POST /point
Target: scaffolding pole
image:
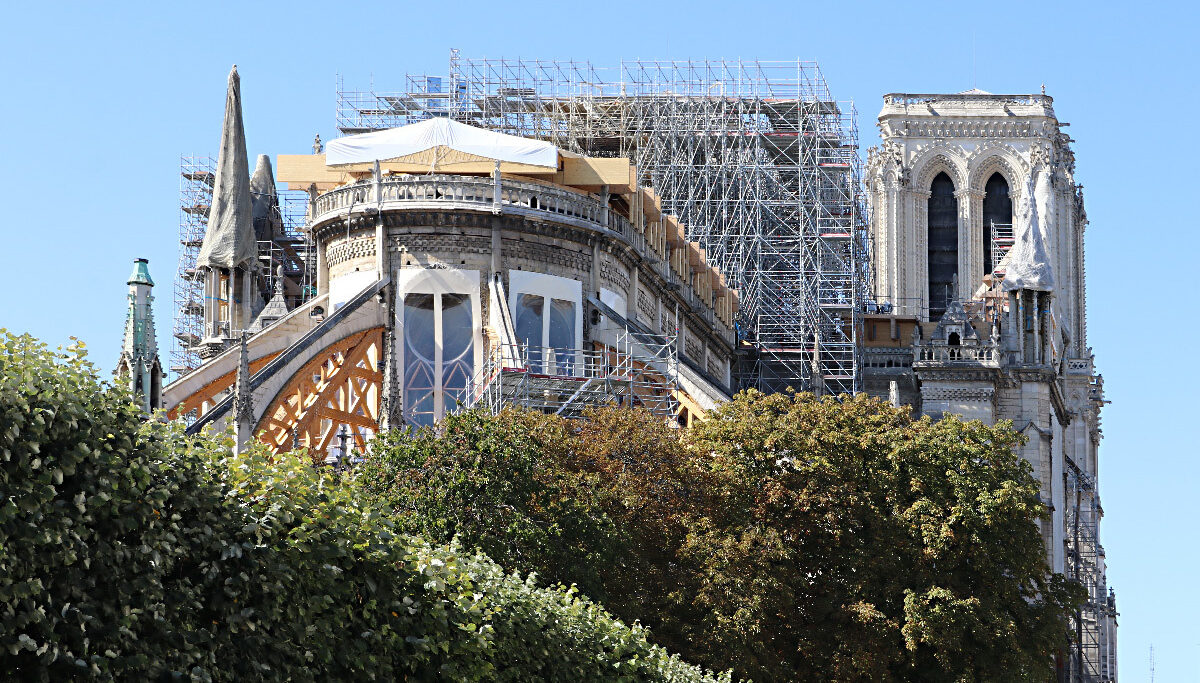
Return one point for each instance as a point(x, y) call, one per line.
point(639, 372)
point(756, 158)
point(289, 248)
point(1092, 656)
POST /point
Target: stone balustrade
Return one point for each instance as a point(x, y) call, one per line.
point(516, 197)
point(895, 358)
point(909, 99)
point(953, 355)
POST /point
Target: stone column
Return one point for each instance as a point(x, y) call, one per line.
point(917, 248)
point(246, 309)
point(631, 299)
point(973, 261)
point(966, 239)
point(211, 292)
point(322, 268)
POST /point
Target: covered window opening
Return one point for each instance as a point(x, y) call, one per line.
point(548, 321)
point(439, 355)
point(997, 221)
point(943, 243)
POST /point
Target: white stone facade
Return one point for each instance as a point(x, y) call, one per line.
point(991, 355)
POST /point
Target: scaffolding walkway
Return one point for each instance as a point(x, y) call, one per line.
point(567, 382)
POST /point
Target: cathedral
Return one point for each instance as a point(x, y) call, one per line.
point(446, 266)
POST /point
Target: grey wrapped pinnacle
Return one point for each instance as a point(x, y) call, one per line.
point(229, 239)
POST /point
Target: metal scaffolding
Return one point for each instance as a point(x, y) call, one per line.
point(196, 178)
point(1093, 656)
point(289, 248)
point(756, 158)
point(641, 372)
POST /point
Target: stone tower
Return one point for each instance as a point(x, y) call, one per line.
point(139, 367)
point(977, 230)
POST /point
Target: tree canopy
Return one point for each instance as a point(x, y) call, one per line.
point(785, 537)
point(129, 551)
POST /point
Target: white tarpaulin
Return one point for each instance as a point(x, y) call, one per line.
point(434, 141)
point(1029, 259)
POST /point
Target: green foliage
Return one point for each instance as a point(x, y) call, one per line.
point(850, 542)
point(133, 552)
point(482, 478)
point(595, 503)
point(787, 538)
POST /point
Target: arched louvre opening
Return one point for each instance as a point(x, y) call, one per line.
point(943, 243)
point(997, 221)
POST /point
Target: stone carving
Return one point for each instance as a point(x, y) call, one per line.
point(957, 394)
point(356, 247)
point(692, 348)
point(1039, 156)
point(613, 275)
point(645, 306)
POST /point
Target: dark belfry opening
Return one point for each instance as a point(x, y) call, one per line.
point(943, 243)
point(997, 221)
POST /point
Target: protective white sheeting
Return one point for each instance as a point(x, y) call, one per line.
point(1029, 259)
point(415, 143)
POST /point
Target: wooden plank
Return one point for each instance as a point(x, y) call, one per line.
point(592, 173)
point(301, 170)
point(675, 236)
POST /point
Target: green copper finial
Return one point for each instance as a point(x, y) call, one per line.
point(141, 273)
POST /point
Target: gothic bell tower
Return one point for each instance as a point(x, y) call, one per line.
point(979, 307)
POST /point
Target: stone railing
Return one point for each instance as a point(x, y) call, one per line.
point(897, 358)
point(478, 194)
point(515, 197)
point(953, 355)
point(908, 99)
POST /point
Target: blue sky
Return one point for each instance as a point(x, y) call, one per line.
point(100, 100)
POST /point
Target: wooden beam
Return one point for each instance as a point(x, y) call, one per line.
point(593, 173)
point(301, 170)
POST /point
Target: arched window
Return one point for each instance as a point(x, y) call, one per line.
point(997, 221)
point(440, 341)
point(943, 243)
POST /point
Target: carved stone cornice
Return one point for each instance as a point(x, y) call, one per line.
point(956, 374)
point(958, 393)
point(946, 128)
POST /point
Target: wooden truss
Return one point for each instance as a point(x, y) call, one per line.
point(340, 387)
point(208, 396)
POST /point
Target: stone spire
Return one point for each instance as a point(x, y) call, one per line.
point(229, 240)
point(276, 308)
point(139, 366)
point(243, 402)
point(264, 201)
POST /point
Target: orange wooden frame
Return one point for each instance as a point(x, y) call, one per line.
point(340, 387)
